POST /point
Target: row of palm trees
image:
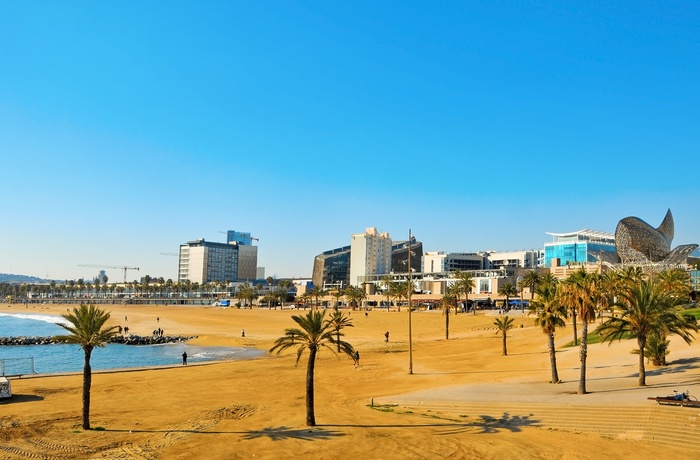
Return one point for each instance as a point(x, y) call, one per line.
point(629, 303)
point(87, 328)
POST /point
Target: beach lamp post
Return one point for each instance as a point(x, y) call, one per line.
point(520, 286)
point(410, 291)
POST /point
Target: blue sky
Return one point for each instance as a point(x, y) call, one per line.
point(128, 128)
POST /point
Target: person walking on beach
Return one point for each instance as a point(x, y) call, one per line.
point(356, 358)
point(184, 358)
point(386, 337)
point(242, 332)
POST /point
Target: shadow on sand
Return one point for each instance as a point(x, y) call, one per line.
point(18, 398)
point(485, 424)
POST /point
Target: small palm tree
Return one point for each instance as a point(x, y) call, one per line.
point(338, 321)
point(449, 301)
point(531, 280)
point(312, 334)
point(464, 284)
point(87, 329)
point(355, 295)
point(508, 291)
point(504, 325)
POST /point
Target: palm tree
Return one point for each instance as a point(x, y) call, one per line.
point(646, 308)
point(531, 280)
point(508, 291)
point(355, 295)
point(549, 315)
point(582, 290)
point(449, 301)
point(317, 292)
point(464, 284)
point(387, 290)
point(87, 329)
point(312, 334)
point(399, 290)
point(503, 325)
point(338, 321)
point(337, 294)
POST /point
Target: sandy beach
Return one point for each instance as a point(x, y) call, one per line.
point(256, 409)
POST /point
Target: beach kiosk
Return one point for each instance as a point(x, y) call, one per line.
point(5, 388)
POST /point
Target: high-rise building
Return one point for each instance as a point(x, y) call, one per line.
point(332, 268)
point(399, 256)
point(205, 261)
point(370, 254)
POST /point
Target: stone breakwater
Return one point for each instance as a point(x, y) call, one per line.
point(128, 340)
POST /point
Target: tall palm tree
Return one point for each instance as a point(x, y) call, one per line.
point(88, 329)
point(313, 333)
point(645, 308)
point(549, 315)
point(504, 325)
point(582, 290)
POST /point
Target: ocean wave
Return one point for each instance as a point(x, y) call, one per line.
point(53, 319)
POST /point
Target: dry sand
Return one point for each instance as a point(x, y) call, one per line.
point(256, 408)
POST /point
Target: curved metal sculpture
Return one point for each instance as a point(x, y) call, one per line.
point(638, 242)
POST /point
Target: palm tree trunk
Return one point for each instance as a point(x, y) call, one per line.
point(310, 416)
point(573, 323)
point(583, 353)
point(447, 323)
point(641, 343)
point(553, 359)
point(87, 383)
point(505, 349)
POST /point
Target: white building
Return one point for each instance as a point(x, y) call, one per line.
point(440, 262)
point(514, 259)
point(205, 261)
point(370, 254)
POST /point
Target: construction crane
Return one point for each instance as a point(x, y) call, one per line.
point(111, 266)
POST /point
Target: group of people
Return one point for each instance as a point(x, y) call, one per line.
point(158, 332)
point(124, 330)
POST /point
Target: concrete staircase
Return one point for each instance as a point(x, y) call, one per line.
point(666, 425)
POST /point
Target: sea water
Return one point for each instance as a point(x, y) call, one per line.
point(59, 358)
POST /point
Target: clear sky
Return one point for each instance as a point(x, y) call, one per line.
point(130, 127)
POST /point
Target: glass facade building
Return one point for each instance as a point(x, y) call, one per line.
point(584, 246)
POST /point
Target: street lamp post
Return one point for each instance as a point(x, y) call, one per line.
point(410, 291)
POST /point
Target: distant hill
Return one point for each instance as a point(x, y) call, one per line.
point(19, 279)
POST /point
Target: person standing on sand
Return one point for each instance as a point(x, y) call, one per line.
point(356, 358)
point(184, 358)
point(386, 337)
